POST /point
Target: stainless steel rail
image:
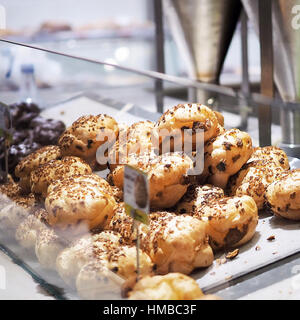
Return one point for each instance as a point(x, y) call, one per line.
point(254, 99)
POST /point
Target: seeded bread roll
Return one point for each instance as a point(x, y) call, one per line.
point(220, 118)
point(117, 193)
point(177, 243)
point(10, 189)
point(167, 176)
point(253, 180)
point(271, 154)
point(54, 170)
point(28, 230)
point(86, 135)
point(80, 203)
point(32, 162)
point(186, 116)
point(231, 221)
point(121, 261)
point(73, 258)
point(122, 224)
point(107, 249)
point(198, 196)
point(137, 139)
point(173, 286)
point(225, 155)
point(174, 243)
point(15, 211)
point(48, 246)
point(92, 179)
point(283, 195)
point(97, 282)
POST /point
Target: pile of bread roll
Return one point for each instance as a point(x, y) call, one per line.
point(75, 221)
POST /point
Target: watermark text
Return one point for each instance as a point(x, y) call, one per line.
point(296, 17)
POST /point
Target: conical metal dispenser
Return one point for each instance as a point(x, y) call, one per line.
point(203, 30)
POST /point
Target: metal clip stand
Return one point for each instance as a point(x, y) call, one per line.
point(160, 54)
point(267, 70)
point(137, 228)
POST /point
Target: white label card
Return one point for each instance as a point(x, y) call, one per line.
point(136, 194)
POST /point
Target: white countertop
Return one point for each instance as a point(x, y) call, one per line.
point(17, 284)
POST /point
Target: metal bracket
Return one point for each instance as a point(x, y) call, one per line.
point(245, 87)
point(267, 70)
point(160, 55)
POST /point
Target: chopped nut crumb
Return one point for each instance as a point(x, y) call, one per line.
point(231, 255)
point(271, 238)
point(221, 261)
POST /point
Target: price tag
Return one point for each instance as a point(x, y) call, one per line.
point(136, 198)
point(136, 194)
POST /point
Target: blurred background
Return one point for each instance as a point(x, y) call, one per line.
point(120, 32)
point(124, 33)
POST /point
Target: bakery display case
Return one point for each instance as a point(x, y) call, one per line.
point(219, 234)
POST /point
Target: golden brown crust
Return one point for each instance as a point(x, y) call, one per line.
point(33, 161)
point(82, 138)
point(271, 154)
point(137, 139)
point(80, 203)
point(173, 286)
point(107, 249)
point(92, 178)
point(253, 180)
point(231, 221)
point(177, 243)
point(28, 201)
point(174, 243)
point(122, 224)
point(283, 195)
point(220, 118)
point(188, 116)
point(167, 176)
point(117, 193)
point(198, 196)
point(54, 170)
point(225, 155)
point(10, 189)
